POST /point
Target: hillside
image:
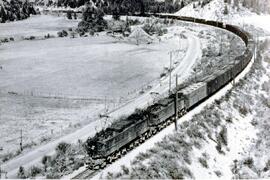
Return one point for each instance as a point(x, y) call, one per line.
point(224, 9)
point(228, 138)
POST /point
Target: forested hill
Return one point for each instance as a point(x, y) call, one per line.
point(123, 6)
point(15, 10)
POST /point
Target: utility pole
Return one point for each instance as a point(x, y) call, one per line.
point(170, 80)
point(220, 47)
point(21, 147)
point(3, 172)
point(176, 102)
point(180, 36)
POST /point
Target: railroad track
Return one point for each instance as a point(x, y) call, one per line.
point(86, 174)
point(246, 37)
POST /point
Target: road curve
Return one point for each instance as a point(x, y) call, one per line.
point(34, 156)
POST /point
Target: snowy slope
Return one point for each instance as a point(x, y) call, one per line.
point(212, 11)
point(241, 134)
point(152, 147)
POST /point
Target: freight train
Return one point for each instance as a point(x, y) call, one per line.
point(123, 135)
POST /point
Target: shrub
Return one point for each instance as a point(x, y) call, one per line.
point(7, 157)
point(45, 161)
point(21, 173)
point(91, 33)
point(34, 170)
point(62, 148)
point(64, 33)
point(219, 148)
point(249, 162)
point(125, 169)
point(267, 166)
point(69, 15)
point(47, 36)
point(32, 37)
point(60, 34)
point(203, 162)
point(5, 40)
point(226, 11)
point(218, 173)
point(223, 136)
point(243, 110)
point(229, 119)
point(186, 157)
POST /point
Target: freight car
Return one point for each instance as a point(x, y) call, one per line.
point(127, 133)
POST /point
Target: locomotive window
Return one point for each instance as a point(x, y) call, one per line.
point(155, 116)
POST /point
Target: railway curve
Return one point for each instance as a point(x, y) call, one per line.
point(212, 85)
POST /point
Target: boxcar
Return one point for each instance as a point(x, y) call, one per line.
point(194, 94)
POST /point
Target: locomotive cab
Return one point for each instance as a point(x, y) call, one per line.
point(92, 147)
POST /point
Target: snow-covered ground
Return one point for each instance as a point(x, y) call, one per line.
point(38, 25)
point(229, 138)
point(172, 154)
point(213, 11)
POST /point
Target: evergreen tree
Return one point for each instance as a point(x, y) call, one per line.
point(3, 15)
point(92, 19)
point(142, 7)
point(69, 15)
point(226, 11)
point(116, 12)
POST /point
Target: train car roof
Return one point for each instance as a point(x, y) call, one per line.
point(160, 105)
point(120, 125)
point(207, 78)
point(192, 88)
point(165, 102)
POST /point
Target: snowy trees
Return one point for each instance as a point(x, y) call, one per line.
point(21, 173)
point(255, 5)
point(226, 11)
point(92, 19)
point(69, 15)
point(15, 10)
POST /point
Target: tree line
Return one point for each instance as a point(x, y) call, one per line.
point(15, 10)
point(125, 6)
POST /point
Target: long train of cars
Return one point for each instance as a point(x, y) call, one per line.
point(123, 135)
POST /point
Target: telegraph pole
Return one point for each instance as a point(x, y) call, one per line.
point(176, 101)
point(3, 172)
point(170, 80)
point(21, 147)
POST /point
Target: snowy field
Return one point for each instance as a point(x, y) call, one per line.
point(85, 67)
point(38, 25)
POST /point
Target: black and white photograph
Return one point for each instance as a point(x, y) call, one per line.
point(135, 89)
